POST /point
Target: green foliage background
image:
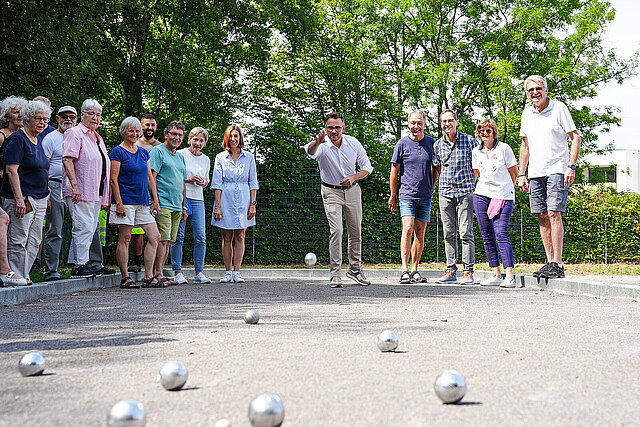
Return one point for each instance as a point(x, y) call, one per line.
point(279, 67)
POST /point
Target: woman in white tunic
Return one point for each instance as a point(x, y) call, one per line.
point(235, 183)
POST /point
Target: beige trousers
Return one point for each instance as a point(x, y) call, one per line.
point(335, 203)
point(24, 234)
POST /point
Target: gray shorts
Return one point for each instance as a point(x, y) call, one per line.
point(548, 193)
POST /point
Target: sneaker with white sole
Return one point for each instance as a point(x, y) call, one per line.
point(358, 277)
point(448, 277)
point(228, 277)
point(467, 278)
point(237, 277)
point(508, 282)
point(492, 281)
point(180, 278)
point(335, 282)
point(201, 278)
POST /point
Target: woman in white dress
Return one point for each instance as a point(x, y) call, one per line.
point(235, 183)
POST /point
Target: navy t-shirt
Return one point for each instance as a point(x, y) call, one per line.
point(132, 179)
point(416, 180)
point(33, 168)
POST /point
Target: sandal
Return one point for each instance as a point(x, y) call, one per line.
point(128, 283)
point(405, 278)
point(151, 282)
point(417, 278)
point(165, 281)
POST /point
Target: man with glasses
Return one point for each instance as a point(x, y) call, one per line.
point(56, 209)
point(452, 160)
point(169, 170)
point(412, 157)
point(337, 155)
point(545, 128)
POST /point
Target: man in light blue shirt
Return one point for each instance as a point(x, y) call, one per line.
point(52, 146)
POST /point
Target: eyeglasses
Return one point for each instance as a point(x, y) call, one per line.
point(68, 116)
point(334, 128)
point(535, 89)
point(41, 119)
point(92, 114)
point(176, 134)
point(489, 131)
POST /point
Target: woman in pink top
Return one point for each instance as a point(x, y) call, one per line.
point(86, 185)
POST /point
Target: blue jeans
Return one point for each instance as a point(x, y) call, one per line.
point(196, 219)
point(420, 209)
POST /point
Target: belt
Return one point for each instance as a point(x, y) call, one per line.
point(338, 187)
point(55, 179)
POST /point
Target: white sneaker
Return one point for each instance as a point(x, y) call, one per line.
point(492, 281)
point(201, 278)
point(180, 278)
point(508, 282)
point(237, 277)
point(228, 277)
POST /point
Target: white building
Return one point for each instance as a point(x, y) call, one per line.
point(618, 168)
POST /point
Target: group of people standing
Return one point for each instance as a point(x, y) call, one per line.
point(473, 174)
point(147, 187)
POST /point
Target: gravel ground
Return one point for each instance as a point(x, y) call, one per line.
point(529, 357)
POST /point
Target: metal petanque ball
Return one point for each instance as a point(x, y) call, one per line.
point(266, 410)
point(127, 413)
point(450, 386)
point(251, 317)
point(31, 364)
point(173, 375)
point(387, 341)
point(310, 259)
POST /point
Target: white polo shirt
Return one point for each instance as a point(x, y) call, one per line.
point(547, 133)
point(494, 181)
point(338, 163)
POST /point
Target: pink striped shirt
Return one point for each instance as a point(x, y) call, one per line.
point(79, 143)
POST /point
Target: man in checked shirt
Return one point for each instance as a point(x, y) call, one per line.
point(452, 160)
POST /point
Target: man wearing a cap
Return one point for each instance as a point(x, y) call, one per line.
point(52, 146)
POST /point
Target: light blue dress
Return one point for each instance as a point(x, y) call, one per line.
point(236, 180)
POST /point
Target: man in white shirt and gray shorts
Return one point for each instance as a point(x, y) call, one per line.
point(545, 128)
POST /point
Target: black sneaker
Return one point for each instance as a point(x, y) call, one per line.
point(104, 271)
point(542, 273)
point(555, 271)
point(81, 271)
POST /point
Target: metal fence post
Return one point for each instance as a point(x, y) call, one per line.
point(606, 238)
point(521, 238)
point(253, 234)
point(437, 237)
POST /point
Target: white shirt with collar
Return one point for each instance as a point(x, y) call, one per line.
point(338, 163)
point(547, 133)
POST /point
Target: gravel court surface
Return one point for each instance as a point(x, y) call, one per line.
point(530, 357)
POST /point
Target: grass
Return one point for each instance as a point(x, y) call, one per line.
point(570, 269)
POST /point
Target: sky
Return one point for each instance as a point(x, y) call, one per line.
point(624, 36)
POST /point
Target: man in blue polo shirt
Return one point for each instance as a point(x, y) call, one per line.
point(412, 157)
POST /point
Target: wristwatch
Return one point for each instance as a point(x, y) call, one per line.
point(572, 167)
point(254, 202)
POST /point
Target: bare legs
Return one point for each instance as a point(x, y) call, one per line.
point(232, 248)
point(552, 232)
point(411, 227)
point(122, 250)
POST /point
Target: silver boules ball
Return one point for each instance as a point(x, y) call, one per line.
point(450, 386)
point(173, 375)
point(223, 423)
point(266, 410)
point(310, 259)
point(127, 413)
point(387, 341)
point(251, 317)
point(31, 364)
